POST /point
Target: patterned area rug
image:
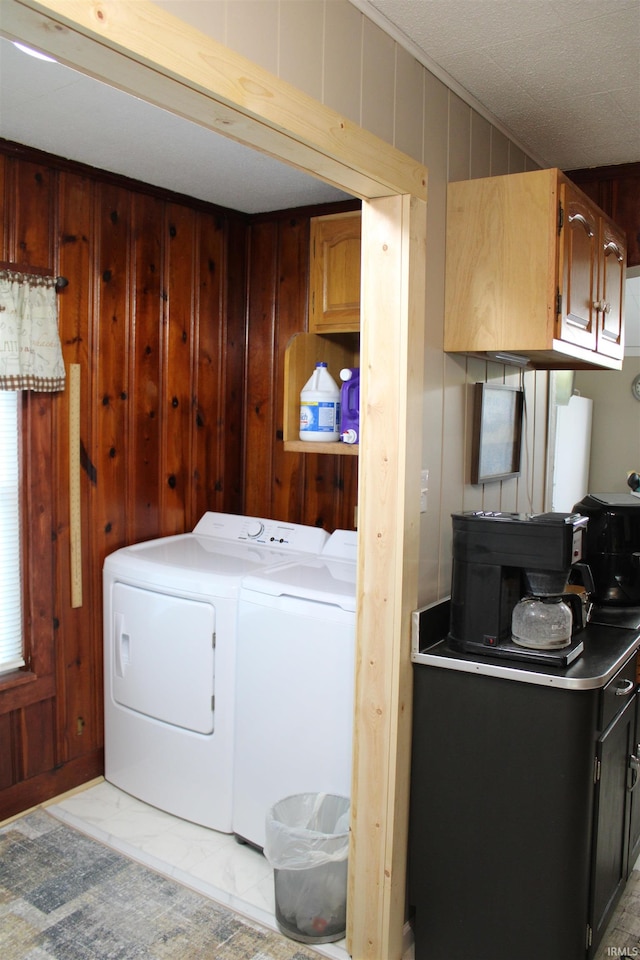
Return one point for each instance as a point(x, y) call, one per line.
point(64, 896)
point(622, 936)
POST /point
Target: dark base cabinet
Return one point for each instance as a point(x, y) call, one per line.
point(611, 854)
point(522, 826)
point(633, 785)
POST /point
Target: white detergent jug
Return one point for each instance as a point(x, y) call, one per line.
point(320, 406)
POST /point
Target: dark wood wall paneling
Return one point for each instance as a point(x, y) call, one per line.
point(616, 190)
point(178, 314)
point(315, 489)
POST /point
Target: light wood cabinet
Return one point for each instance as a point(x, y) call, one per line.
point(534, 273)
point(334, 273)
point(334, 321)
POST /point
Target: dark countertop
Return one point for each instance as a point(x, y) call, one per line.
point(626, 617)
point(606, 648)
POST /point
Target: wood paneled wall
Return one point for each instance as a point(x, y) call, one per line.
point(311, 488)
point(178, 314)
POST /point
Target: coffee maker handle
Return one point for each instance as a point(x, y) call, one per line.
point(586, 577)
point(574, 601)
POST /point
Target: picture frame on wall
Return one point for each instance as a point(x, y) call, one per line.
point(497, 432)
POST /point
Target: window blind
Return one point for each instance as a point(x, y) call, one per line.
point(10, 568)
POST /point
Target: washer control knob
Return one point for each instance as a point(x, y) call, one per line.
point(254, 529)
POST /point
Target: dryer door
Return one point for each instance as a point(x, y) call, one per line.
point(162, 662)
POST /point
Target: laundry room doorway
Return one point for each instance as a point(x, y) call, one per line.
point(139, 47)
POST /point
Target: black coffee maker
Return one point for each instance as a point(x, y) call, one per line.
point(501, 558)
point(613, 547)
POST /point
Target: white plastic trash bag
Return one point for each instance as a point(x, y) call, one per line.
point(307, 830)
point(307, 844)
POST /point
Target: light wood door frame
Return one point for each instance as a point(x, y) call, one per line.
point(141, 49)
point(391, 374)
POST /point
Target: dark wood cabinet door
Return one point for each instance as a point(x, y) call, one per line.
point(578, 317)
point(611, 822)
point(634, 796)
point(616, 189)
point(611, 283)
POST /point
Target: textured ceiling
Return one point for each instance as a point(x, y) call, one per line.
point(561, 76)
point(50, 107)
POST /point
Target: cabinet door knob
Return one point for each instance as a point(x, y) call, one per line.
point(583, 222)
point(624, 688)
point(613, 248)
point(603, 305)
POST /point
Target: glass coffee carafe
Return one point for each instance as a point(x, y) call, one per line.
point(546, 618)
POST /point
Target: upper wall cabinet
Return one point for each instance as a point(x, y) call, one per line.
point(592, 275)
point(334, 274)
point(534, 273)
point(616, 189)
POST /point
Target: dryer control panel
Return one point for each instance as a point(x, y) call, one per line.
point(271, 533)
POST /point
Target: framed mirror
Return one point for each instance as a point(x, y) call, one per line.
point(497, 432)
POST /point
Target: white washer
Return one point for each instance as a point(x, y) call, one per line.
point(294, 683)
point(170, 618)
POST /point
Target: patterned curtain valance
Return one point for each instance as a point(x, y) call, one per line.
point(30, 349)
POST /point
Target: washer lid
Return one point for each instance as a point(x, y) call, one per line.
point(320, 580)
point(342, 544)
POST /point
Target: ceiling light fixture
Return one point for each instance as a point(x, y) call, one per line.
point(33, 53)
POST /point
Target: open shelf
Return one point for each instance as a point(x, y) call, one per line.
point(319, 446)
point(303, 351)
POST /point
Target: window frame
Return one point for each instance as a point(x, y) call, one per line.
point(16, 660)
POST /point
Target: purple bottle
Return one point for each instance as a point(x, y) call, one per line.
point(350, 405)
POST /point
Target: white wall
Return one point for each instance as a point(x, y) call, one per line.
point(615, 438)
point(332, 51)
point(632, 315)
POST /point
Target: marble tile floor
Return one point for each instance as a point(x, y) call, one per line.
point(212, 863)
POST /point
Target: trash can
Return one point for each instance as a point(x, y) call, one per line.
point(307, 844)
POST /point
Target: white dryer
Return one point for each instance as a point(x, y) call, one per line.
point(294, 682)
point(170, 618)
